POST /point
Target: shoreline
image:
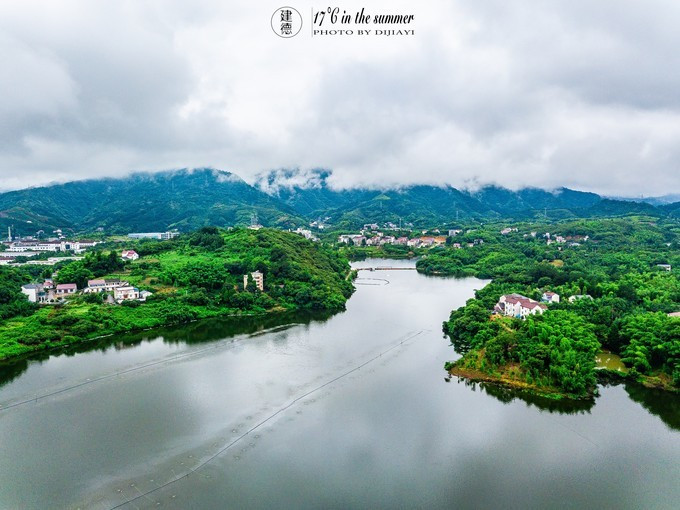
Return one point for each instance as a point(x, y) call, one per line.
point(46, 348)
point(604, 376)
point(541, 391)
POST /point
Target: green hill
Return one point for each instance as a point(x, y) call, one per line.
point(182, 199)
point(191, 277)
point(189, 199)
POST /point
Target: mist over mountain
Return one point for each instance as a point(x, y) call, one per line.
point(188, 199)
point(181, 199)
point(311, 194)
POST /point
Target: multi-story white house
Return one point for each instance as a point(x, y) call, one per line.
point(35, 292)
point(129, 255)
point(257, 277)
point(516, 305)
point(100, 285)
point(125, 293)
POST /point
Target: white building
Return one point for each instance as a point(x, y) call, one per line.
point(129, 255)
point(100, 285)
point(516, 305)
point(257, 277)
point(550, 297)
point(163, 236)
point(125, 293)
point(32, 290)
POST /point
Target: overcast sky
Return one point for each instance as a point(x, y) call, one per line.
point(579, 93)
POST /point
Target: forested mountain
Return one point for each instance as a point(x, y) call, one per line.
point(425, 205)
point(189, 199)
point(182, 199)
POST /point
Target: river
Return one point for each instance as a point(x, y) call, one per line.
point(304, 411)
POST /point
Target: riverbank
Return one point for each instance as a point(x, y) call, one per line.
point(189, 278)
point(26, 335)
point(511, 376)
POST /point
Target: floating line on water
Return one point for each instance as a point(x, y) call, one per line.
point(217, 345)
point(191, 471)
point(359, 281)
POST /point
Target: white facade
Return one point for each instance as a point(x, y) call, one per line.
point(31, 290)
point(125, 293)
point(550, 297)
point(257, 277)
point(516, 305)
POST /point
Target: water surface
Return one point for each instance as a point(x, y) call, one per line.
point(351, 411)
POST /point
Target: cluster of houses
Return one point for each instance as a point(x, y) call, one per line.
point(519, 306)
point(48, 292)
point(161, 236)
point(118, 290)
point(30, 247)
point(380, 240)
point(306, 233)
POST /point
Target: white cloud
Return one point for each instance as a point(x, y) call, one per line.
point(576, 94)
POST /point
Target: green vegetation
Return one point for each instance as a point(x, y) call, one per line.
point(191, 277)
point(190, 199)
point(616, 265)
point(181, 199)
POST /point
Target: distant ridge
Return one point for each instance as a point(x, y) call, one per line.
point(187, 199)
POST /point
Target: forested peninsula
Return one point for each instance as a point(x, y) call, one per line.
point(194, 276)
point(619, 289)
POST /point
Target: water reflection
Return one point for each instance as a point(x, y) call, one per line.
point(660, 403)
point(199, 332)
point(508, 395)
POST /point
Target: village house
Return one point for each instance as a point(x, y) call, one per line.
point(516, 305)
point(667, 267)
point(129, 255)
point(125, 293)
point(94, 286)
point(550, 297)
point(66, 288)
point(35, 292)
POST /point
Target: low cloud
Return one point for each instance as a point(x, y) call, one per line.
point(525, 93)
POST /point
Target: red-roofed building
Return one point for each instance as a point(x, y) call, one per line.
point(130, 255)
point(516, 305)
point(67, 288)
